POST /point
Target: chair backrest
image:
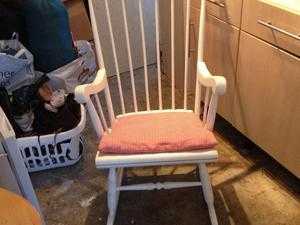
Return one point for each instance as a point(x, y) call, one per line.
point(204, 78)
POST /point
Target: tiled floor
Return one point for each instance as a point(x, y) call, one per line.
point(250, 187)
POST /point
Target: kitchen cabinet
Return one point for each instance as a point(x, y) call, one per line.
point(267, 108)
point(258, 15)
point(227, 10)
point(221, 48)
point(262, 69)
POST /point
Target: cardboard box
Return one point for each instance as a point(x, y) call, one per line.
point(79, 20)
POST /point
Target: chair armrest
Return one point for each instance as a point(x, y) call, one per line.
point(83, 92)
point(217, 83)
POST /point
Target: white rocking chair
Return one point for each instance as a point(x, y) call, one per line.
point(126, 144)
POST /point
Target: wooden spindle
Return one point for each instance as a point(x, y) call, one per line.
point(187, 42)
point(115, 56)
point(173, 52)
point(100, 58)
point(197, 98)
point(109, 105)
point(129, 56)
point(201, 33)
point(100, 110)
point(212, 112)
point(141, 15)
point(96, 36)
point(95, 118)
point(206, 102)
point(158, 54)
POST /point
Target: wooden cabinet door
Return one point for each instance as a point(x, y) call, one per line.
point(220, 55)
point(267, 101)
point(221, 49)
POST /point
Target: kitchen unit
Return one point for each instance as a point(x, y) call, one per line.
point(255, 44)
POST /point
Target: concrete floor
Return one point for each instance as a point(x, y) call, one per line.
point(249, 186)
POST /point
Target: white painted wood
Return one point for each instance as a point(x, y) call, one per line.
point(212, 112)
point(206, 102)
point(157, 27)
point(214, 85)
point(83, 92)
point(112, 196)
point(139, 160)
point(115, 55)
point(154, 111)
point(173, 52)
point(129, 55)
point(208, 193)
point(158, 186)
point(141, 15)
point(197, 98)
point(109, 105)
point(120, 173)
point(187, 49)
point(95, 118)
point(96, 36)
point(100, 111)
point(132, 10)
point(201, 33)
point(102, 83)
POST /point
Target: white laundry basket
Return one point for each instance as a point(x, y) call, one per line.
point(53, 150)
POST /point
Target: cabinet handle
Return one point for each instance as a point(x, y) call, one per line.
point(217, 3)
point(269, 25)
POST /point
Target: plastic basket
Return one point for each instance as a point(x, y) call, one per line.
point(53, 150)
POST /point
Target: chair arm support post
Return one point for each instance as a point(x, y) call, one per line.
point(83, 92)
point(217, 83)
point(218, 87)
point(95, 118)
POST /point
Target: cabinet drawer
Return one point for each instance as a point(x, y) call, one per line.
point(226, 10)
point(267, 101)
point(285, 23)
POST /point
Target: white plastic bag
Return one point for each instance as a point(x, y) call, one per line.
point(16, 65)
point(80, 71)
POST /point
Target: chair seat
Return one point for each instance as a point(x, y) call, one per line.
point(157, 133)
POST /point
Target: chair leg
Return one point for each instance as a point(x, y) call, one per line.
point(208, 193)
point(112, 196)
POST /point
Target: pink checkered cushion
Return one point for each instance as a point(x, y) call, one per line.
point(155, 133)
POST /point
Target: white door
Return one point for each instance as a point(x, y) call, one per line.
point(117, 21)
